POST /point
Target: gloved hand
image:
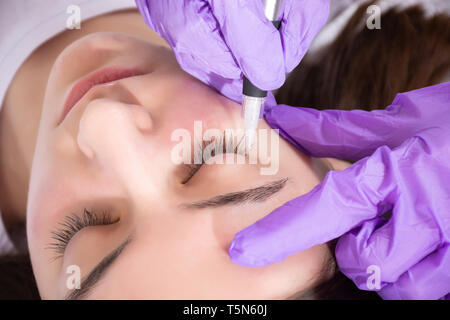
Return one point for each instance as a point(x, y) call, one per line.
point(404, 166)
point(218, 40)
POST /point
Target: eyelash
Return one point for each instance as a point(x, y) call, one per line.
point(72, 224)
point(227, 141)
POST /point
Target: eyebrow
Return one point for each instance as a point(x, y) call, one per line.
point(97, 273)
point(258, 194)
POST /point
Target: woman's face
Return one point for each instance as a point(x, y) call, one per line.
point(111, 155)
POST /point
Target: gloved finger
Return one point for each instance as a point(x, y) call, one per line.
point(254, 41)
point(302, 21)
point(393, 249)
point(191, 29)
point(194, 35)
point(413, 232)
point(343, 201)
point(427, 280)
point(355, 134)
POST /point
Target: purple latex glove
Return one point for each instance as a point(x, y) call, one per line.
point(218, 40)
point(404, 165)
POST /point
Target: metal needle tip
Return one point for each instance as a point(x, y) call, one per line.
point(251, 109)
point(249, 135)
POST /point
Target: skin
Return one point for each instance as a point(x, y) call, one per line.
point(112, 152)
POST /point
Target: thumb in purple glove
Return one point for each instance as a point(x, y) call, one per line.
point(217, 41)
point(406, 169)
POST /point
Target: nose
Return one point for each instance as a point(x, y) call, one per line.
point(108, 121)
point(117, 138)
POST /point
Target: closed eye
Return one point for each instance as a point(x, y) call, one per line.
point(72, 224)
point(228, 144)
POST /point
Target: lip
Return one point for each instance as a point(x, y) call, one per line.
point(102, 76)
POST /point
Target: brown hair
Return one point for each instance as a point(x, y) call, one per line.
point(365, 69)
point(17, 279)
point(362, 69)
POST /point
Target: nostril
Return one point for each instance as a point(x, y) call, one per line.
point(84, 146)
point(107, 125)
point(141, 118)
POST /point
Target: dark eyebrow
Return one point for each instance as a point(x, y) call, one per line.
point(96, 274)
point(257, 194)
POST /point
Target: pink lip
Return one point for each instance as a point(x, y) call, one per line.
point(81, 87)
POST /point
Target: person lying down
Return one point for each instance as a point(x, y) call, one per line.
point(102, 197)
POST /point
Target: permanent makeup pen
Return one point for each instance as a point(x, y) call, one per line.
point(253, 97)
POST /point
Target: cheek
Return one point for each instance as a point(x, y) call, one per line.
point(212, 265)
point(279, 280)
point(227, 221)
point(41, 212)
point(185, 100)
point(38, 237)
point(185, 260)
